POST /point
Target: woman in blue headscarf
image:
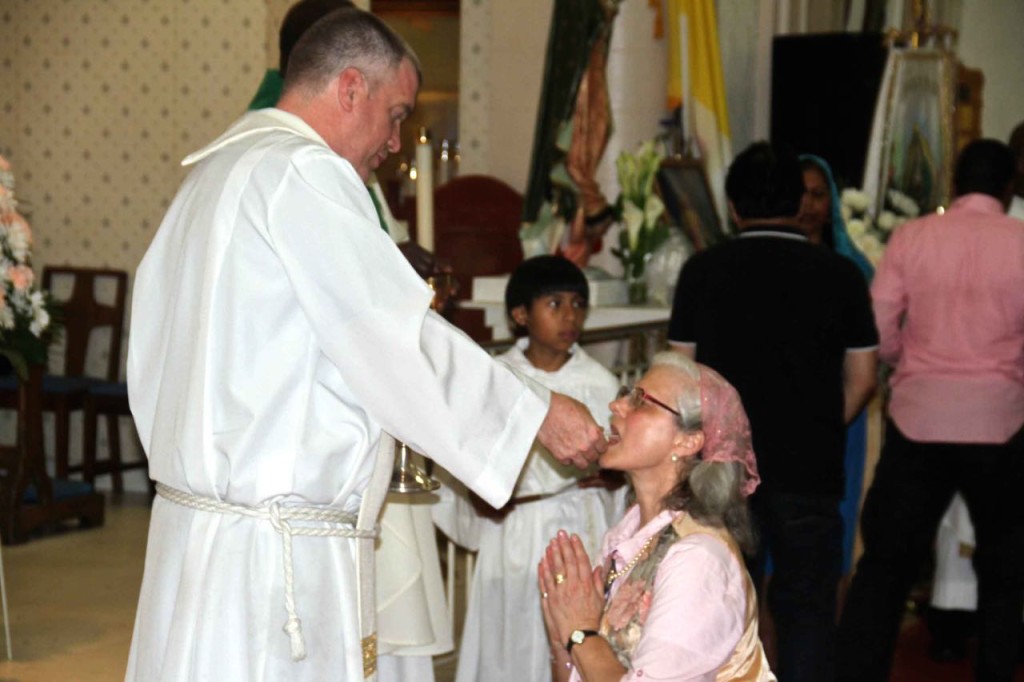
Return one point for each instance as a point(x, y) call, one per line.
point(821, 218)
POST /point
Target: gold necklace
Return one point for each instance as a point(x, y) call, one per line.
point(615, 575)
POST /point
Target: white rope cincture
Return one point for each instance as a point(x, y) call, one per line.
point(279, 513)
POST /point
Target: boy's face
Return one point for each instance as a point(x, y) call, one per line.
point(554, 321)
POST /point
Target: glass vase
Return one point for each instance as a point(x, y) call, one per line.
point(636, 282)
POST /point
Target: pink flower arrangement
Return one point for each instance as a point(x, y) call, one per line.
point(21, 277)
point(26, 312)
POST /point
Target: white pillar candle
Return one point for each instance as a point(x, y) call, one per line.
point(444, 166)
point(424, 191)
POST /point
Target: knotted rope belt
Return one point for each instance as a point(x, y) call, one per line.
point(281, 514)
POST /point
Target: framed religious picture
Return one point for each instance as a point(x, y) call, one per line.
point(913, 137)
point(683, 186)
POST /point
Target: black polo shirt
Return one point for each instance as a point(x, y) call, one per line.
point(775, 316)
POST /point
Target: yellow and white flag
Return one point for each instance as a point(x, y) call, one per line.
point(695, 81)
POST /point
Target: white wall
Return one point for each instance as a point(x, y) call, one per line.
point(991, 39)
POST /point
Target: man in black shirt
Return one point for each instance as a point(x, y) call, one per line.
point(789, 324)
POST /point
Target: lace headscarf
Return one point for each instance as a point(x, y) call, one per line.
point(725, 426)
point(715, 409)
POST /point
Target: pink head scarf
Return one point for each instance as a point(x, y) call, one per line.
point(725, 426)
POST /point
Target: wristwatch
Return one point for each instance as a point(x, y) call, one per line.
point(577, 637)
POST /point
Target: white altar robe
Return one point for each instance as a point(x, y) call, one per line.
point(276, 331)
point(503, 639)
point(413, 624)
point(955, 585)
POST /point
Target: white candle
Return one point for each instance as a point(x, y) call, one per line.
point(424, 191)
point(444, 165)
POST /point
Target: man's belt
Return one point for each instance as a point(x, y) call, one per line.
point(281, 515)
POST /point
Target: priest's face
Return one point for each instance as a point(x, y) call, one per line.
point(388, 100)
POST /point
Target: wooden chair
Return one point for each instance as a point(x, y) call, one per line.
point(84, 317)
point(106, 396)
point(109, 399)
point(29, 498)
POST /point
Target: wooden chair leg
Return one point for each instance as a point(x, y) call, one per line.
point(61, 420)
point(89, 435)
point(114, 447)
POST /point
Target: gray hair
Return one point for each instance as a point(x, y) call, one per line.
point(688, 400)
point(342, 39)
point(710, 492)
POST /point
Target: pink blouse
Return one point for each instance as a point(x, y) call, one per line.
point(697, 608)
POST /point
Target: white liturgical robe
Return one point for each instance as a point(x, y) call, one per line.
point(504, 639)
point(276, 331)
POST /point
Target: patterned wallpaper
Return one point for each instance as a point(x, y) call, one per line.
point(100, 100)
point(474, 93)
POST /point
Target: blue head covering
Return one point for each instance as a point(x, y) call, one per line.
point(841, 241)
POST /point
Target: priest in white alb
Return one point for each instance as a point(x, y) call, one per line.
point(278, 341)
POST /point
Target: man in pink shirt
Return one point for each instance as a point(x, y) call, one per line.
point(949, 305)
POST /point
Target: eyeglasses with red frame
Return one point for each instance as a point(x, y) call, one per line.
point(638, 396)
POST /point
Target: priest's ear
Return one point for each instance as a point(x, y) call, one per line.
point(351, 83)
point(520, 316)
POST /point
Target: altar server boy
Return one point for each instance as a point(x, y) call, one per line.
point(547, 299)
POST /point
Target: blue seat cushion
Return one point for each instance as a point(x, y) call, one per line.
point(109, 389)
point(58, 384)
point(52, 383)
point(62, 490)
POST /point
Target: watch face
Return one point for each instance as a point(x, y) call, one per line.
point(577, 636)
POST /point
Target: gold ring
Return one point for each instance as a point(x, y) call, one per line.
point(559, 578)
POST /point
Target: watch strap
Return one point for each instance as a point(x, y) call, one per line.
point(586, 633)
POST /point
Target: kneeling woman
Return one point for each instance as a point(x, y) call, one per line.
point(671, 599)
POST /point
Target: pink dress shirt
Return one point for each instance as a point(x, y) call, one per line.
point(697, 612)
point(949, 304)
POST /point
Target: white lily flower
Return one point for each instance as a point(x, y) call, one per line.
point(634, 219)
point(653, 210)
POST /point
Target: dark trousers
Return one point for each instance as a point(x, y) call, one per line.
point(913, 485)
point(804, 534)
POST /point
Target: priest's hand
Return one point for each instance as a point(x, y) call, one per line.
point(570, 432)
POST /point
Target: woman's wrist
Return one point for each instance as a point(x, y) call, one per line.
point(560, 658)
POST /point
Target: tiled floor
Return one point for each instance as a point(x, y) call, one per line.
point(72, 604)
point(72, 599)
